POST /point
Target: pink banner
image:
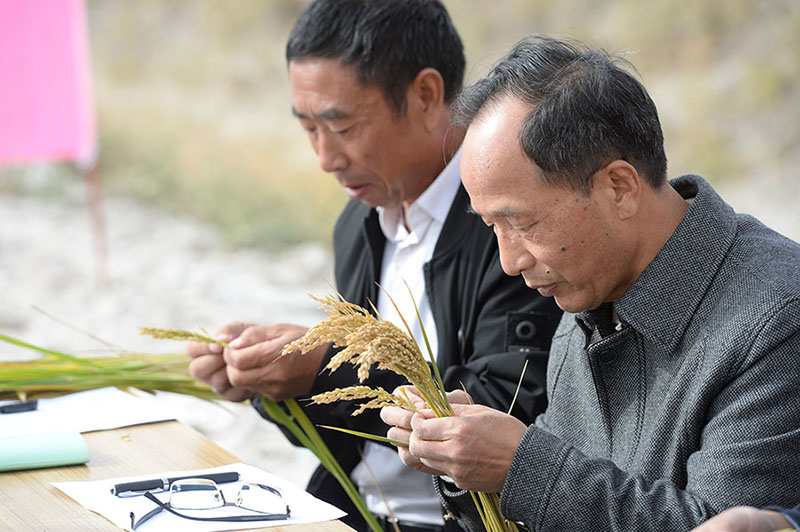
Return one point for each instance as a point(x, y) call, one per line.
point(46, 112)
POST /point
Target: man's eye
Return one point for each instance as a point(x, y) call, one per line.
point(522, 227)
point(343, 131)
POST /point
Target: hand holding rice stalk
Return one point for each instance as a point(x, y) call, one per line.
point(368, 340)
point(290, 415)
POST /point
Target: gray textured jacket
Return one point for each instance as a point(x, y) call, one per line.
point(692, 407)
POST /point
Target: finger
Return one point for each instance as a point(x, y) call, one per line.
point(257, 334)
point(237, 394)
point(253, 378)
point(426, 413)
point(219, 382)
point(226, 335)
point(414, 462)
point(255, 356)
point(396, 416)
point(397, 433)
point(428, 455)
point(408, 459)
point(427, 467)
point(203, 367)
point(261, 380)
point(463, 410)
point(196, 349)
point(412, 394)
point(459, 397)
point(430, 428)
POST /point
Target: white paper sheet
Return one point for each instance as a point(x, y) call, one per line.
point(100, 409)
point(96, 496)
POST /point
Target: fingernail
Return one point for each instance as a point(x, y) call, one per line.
point(236, 343)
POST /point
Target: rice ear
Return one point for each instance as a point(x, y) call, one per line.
point(179, 335)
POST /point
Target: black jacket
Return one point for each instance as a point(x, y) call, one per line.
point(487, 324)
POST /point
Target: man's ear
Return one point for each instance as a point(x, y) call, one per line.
point(622, 185)
point(425, 97)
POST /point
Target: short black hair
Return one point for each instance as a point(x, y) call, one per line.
point(387, 42)
point(586, 111)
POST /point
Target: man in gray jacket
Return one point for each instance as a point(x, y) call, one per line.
point(672, 380)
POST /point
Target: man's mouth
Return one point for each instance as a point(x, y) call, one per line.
point(546, 290)
point(355, 191)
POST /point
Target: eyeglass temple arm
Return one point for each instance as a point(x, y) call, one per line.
point(146, 517)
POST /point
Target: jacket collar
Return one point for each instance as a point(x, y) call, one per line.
point(454, 227)
point(661, 303)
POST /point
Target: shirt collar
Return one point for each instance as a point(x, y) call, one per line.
point(662, 301)
point(433, 204)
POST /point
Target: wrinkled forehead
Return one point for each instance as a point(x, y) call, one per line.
point(324, 85)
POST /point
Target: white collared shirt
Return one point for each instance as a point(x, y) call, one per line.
point(409, 493)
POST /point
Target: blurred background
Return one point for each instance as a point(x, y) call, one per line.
point(193, 109)
point(216, 209)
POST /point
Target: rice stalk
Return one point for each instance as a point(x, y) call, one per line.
point(378, 398)
point(178, 334)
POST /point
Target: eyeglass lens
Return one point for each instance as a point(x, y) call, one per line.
point(261, 498)
point(196, 494)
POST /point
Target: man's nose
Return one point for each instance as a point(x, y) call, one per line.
point(514, 258)
point(329, 151)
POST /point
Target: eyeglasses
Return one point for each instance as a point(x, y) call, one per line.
point(203, 494)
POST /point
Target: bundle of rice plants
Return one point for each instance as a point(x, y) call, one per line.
point(58, 372)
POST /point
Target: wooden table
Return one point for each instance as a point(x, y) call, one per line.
point(29, 502)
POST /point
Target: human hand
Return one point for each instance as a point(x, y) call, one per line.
point(475, 447)
point(207, 364)
point(745, 519)
point(253, 361)
point(399, 420)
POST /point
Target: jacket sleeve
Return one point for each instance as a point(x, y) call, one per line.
point(747, 455)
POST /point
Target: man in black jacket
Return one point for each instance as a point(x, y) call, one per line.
point(372, 84)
